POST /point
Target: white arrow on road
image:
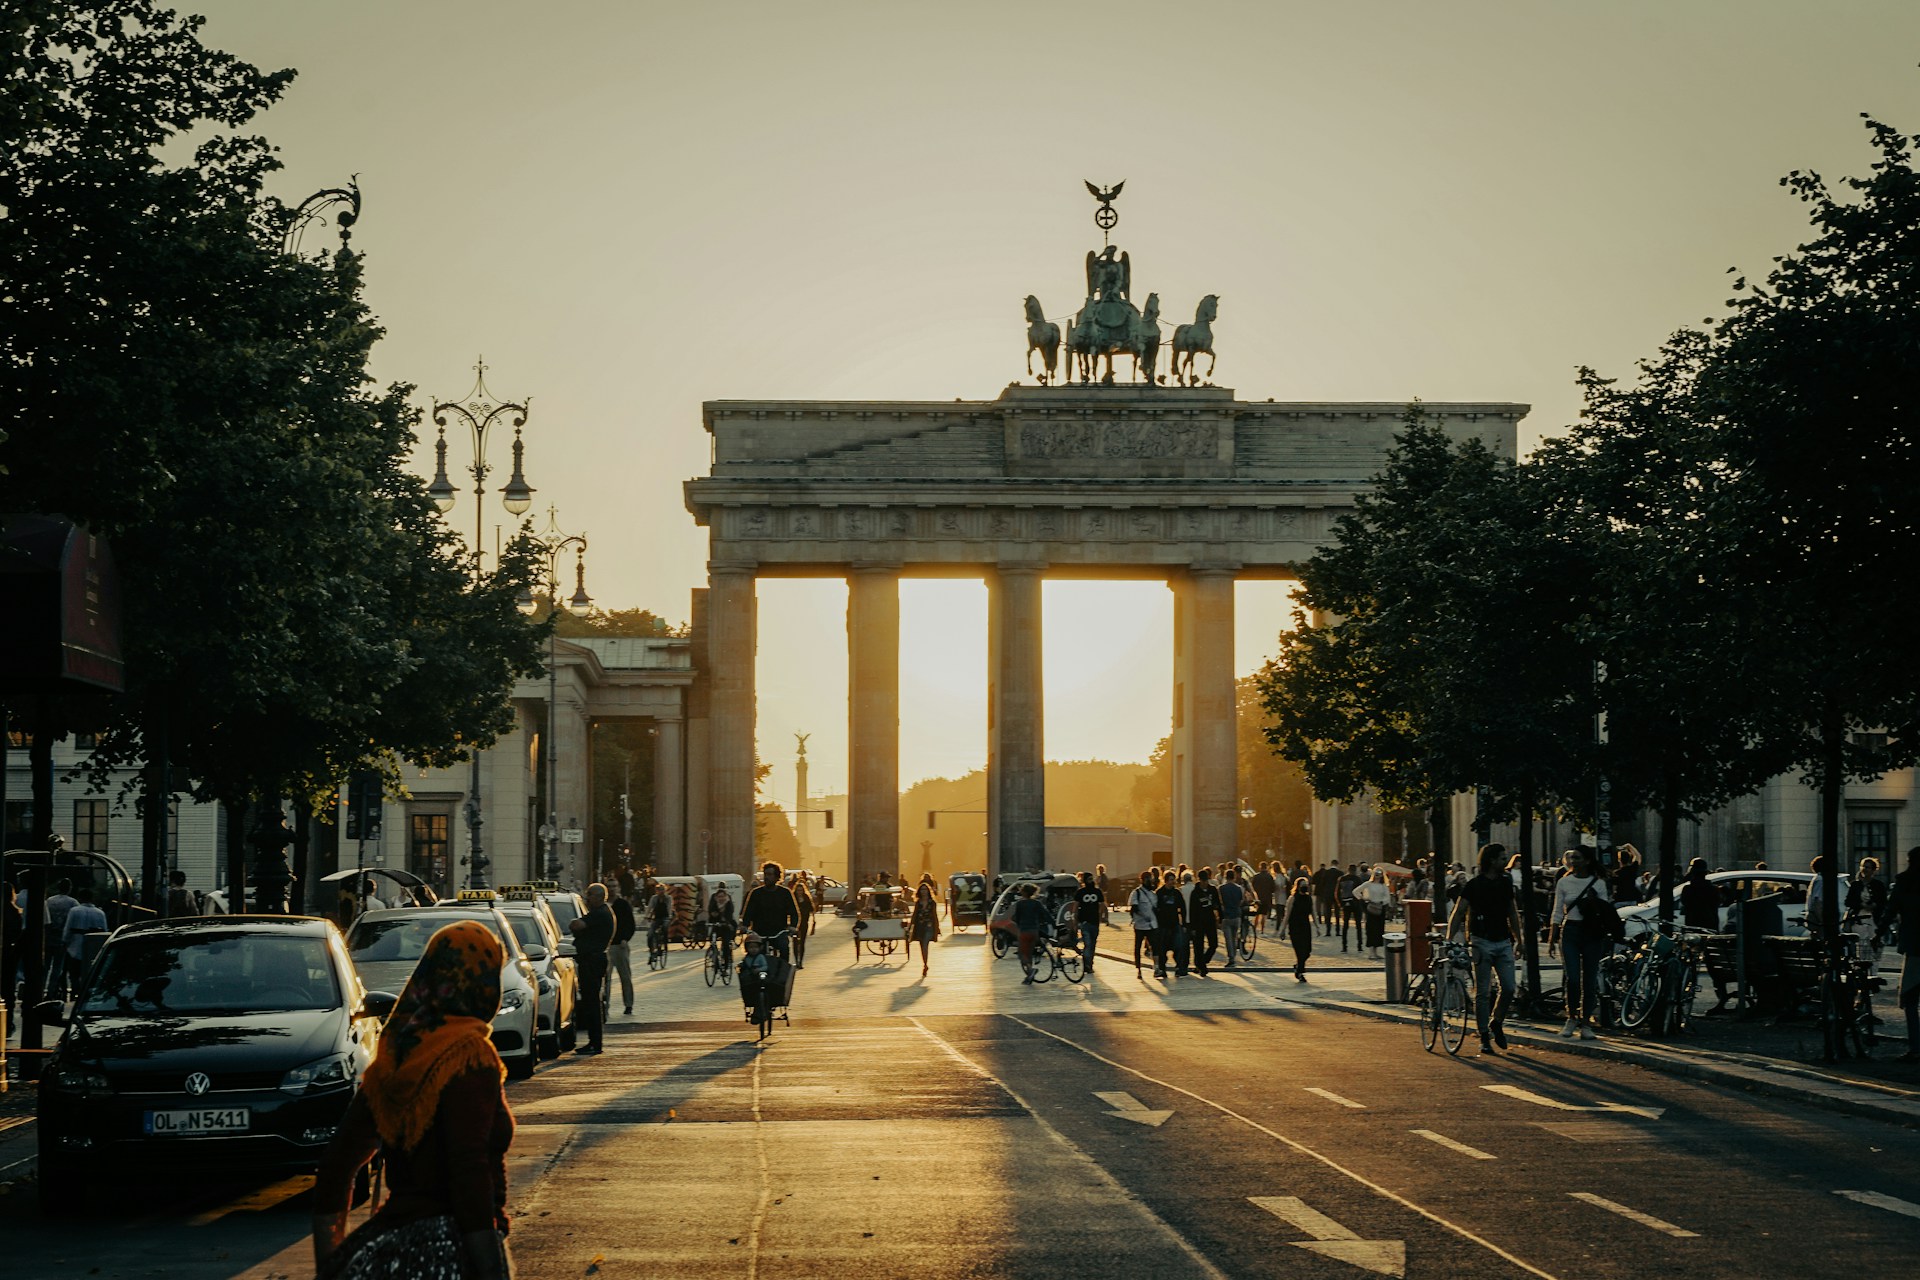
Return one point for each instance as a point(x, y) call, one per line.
point(1538, 1100)
point(1331, 1240)
point(1131, 1108)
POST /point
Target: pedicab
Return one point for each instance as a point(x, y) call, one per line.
point(966, 900)
point(1055, 889)
point(877, 925)
point(766, 979)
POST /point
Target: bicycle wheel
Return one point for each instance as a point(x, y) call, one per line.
point(1453, 1013)
point(763, 1014)
point(1642, 994)
point(1429, 1025)
point(1046, 963)
point(1860, 1026)
point(1684, 992)
point(999, 944)
point(713, 965)
point(1249, 937)
point(1073, 966)
point(726, 970)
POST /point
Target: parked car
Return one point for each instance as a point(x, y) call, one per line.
point(233, 1042)
point(386, 945)
point(553, 964)
point(1789, 886)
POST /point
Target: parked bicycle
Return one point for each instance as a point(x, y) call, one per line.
point(1441, 994)
point(1847, 997)
point(1666, 976)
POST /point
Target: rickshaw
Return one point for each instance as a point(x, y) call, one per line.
point(966, 900)
point(1055, 889)
point(878, 924)
point(770, 995)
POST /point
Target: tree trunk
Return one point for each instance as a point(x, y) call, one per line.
point(1440, 823)
point(1669, 842)
point(302, 855)
point(1832, 782)
point(1530, 935)
point(236, 855)
point(153, 815)
point(40, 773)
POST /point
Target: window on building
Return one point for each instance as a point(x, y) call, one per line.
point(19, 739)
point(428, 852)
point(19, 824)
point(90, 826)
point(86, 741)
point(1872, 838)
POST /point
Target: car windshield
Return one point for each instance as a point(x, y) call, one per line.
point(200, 972)
point(564, 913)
point(527, 929)
point(403, 938)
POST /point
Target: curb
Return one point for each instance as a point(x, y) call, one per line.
point(1775, 1080)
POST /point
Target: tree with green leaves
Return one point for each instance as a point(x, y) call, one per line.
point(293, 608)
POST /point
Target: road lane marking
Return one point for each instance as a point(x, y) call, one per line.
point(1879, 1201)
point(766, 1178)
point(1331, 1096)
point(1644, 1219)
point(1298, 1146)
point(1098, 1170)
point(1540, 1100)
point(1331, 1240)
point(1131, 1108)
point(1451, 1145)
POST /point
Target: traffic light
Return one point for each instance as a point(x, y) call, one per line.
point(363, 805)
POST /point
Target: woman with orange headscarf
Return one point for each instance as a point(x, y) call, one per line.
point(432, 1105)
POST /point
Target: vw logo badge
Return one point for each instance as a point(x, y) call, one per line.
point(197, 1083)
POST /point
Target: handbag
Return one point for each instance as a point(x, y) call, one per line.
point(1605, 919)
point(424, 1249)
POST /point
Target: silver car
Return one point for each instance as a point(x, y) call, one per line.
point(1736, 886)
point(553, 965)
point(385, 946)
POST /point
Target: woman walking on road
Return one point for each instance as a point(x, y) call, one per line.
point(924, 927)
point(1299, 925)
point(433, 1106)
point(1582, 942)
point(1373, 897)
point(1140, 909)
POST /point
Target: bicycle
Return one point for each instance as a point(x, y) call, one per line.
point(657, 945)
point(1443, 1020)
point(770, 998)
point(1249, 938)
point(1847, 998)
point(719, 958)
point(1049, 958)
point(1666, 977)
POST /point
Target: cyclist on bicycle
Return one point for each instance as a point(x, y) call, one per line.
point(1029, 918)
point(1488, 912)
point(755, 970)
point(721, 922)
point(770, 908)
point(659, 913)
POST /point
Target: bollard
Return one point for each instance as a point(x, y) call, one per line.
point(1396, 968)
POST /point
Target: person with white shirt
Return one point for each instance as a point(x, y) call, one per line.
point(83, 918)
point(1582, 942)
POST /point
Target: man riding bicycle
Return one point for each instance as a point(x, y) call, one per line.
point(721, 922)
point(659, 915)
point(770, 908)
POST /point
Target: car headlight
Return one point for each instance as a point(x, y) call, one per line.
point(512, 1000)
point(78, 1080)
point(329, 1072)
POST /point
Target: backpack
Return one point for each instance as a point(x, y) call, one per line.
point(1601, 914)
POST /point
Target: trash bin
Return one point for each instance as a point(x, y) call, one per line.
point(1396, 968)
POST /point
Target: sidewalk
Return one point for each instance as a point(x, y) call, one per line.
point(1781, 1059)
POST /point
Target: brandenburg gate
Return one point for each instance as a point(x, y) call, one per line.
point(1091, 478)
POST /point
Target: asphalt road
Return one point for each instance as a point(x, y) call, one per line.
point(978, 1128)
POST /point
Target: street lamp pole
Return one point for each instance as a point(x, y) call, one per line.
point(555, 543)
point(481, 412)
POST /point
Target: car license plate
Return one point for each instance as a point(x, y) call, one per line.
point(203, 1120)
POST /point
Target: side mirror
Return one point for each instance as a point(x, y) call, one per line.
point(378, 1004)
point(567, 951)
point(535, 952)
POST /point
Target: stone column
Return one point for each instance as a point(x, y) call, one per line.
point(731, 626)
point(873, 723)
point(1016, 722)
point(669, 796)
point(1206, 799)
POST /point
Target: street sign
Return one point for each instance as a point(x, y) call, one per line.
point(573, 835)
point(363, 805)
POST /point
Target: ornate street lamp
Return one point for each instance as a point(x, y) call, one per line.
point(481, 412)
point(578, 604)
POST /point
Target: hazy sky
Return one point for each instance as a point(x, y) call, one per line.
point(633, 207)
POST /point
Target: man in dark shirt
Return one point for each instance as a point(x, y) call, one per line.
point(770, 907)
point(1204, 920)
point(1233, 911)
point(620, 953)
point(1489, 914)
point(1169, 913)
point(592, 935)
point(1089, 912)
point(1903, 908)
point(1326, 896)
point(1263, 890)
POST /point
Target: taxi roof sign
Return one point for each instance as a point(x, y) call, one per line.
point(476, 895)
point(519, 893)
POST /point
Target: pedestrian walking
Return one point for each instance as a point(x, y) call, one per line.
point(1142, 914)
point(1488, 914)
point(1700, 909)
point(1090, 912)
point(1326, 897)
point(620, 950)
point(1867, 907)
point(1170, 924)
point(803, 927)
point(1374, 897)
point(1349, 908)
point(432, 1106)
point(924, 927)
point(180, 899)
point(1100, 882)
point(1203, 921)
point(1029, 918)
point(1299, 925)
point(85, 918)
point(1578, 898)
point(1903, 909)
point(592, 935)
point(53, 938)
point(1265, 890)
point(1233, 912)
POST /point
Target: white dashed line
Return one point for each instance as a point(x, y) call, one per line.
point(1331, 1096)
point(1880, 1201)
point(1451, 1145)
point(1644, 1219)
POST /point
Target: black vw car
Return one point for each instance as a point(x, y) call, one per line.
point(228, 1040)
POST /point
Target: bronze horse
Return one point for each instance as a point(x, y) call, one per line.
point(1189, 340)
point(1043, 336)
